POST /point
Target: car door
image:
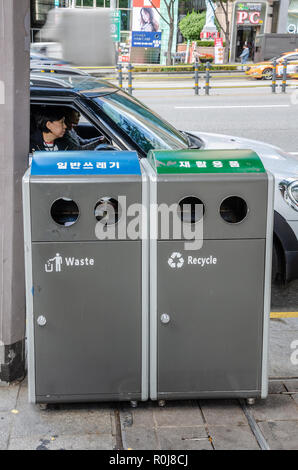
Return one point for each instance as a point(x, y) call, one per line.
point(292, 63)
point(90, 124)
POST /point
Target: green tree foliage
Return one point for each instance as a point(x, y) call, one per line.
point(192, 24)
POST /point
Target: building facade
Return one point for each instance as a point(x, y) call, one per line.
point(247, 19)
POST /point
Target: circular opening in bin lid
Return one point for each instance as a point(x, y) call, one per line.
point(65, 211)
point(233, 209)
point(191, 209)
point(107, 211)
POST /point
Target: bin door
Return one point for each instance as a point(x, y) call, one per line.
point(213, 297)
point(90, 295)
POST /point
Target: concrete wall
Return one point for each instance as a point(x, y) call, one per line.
point(283, 16)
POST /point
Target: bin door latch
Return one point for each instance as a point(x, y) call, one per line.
point(165, 318)
point(41, 320)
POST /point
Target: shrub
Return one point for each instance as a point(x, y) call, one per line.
point(207, 43)
point(192, 24)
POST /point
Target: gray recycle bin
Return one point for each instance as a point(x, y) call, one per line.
point(87, 306)
point(210, 306)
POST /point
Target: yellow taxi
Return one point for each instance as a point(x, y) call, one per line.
point(263, 70)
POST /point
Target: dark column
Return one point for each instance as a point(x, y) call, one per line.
point(14, 144)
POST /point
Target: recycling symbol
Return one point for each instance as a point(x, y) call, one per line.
point(176, 260)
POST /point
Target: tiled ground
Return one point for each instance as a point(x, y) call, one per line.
point(183, 425)
point(196, 424)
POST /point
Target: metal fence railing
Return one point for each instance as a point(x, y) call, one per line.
point(203, 80)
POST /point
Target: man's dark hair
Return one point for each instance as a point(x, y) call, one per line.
point(68, 115)
point(51, 113)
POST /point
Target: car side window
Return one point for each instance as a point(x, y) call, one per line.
point(292, 58)
point(80, 133)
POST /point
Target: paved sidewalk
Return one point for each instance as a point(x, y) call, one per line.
point(189, 425)
point(180, 425)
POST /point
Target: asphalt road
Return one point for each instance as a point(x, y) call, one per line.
point(284, 298)
point(252, 113)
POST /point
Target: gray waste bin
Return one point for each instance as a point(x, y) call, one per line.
point(86, 296)
point(209, 306)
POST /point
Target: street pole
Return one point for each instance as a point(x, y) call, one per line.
point(14, 146)
point(274, 76)
point(207, 84)
point(284, 77)
point(196, 76)
point(113, 6)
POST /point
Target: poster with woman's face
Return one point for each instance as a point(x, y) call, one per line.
point(146, 3)
point(145, 19)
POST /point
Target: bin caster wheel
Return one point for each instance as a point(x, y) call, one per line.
point(161, 403)
point(43, 406)
point(133, 404)
point(250, 401)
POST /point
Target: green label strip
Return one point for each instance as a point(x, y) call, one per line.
point(205, 161)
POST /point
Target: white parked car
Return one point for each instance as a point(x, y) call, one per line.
point(284, 167)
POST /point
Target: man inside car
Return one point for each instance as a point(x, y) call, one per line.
point(72, 138)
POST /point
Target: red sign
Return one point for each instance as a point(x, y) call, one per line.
point(253, 17)
point(146, 3)
point(218, 42)
point(124, 58)
point(208, 35)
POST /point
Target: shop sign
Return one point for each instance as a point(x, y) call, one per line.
point(124, 58)
point(292, 29)
point(218, 51)
point(249, 13)
point(249, 17)
point(218, 42)
point(115, 25)
point(249, 7)
point(209, 35)
point(146, 24)
point(146, 39)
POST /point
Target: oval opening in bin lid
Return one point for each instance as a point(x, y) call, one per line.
point(205, 161)
point(84, 163)
point(65, 211)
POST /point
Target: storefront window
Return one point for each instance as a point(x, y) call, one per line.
point(250, 22)
point(125, 20)
point(124, 3)
point(39, 11)
point(187, 6)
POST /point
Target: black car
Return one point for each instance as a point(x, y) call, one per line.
point(128, 124)
point(106, 110)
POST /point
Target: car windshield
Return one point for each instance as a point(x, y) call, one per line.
point(146, 129)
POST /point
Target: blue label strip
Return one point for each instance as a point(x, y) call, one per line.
point(85, 163)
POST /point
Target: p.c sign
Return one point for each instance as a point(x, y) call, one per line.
point(252, 17)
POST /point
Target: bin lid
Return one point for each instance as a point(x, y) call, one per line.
point(85, 163)
point(205, 161)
